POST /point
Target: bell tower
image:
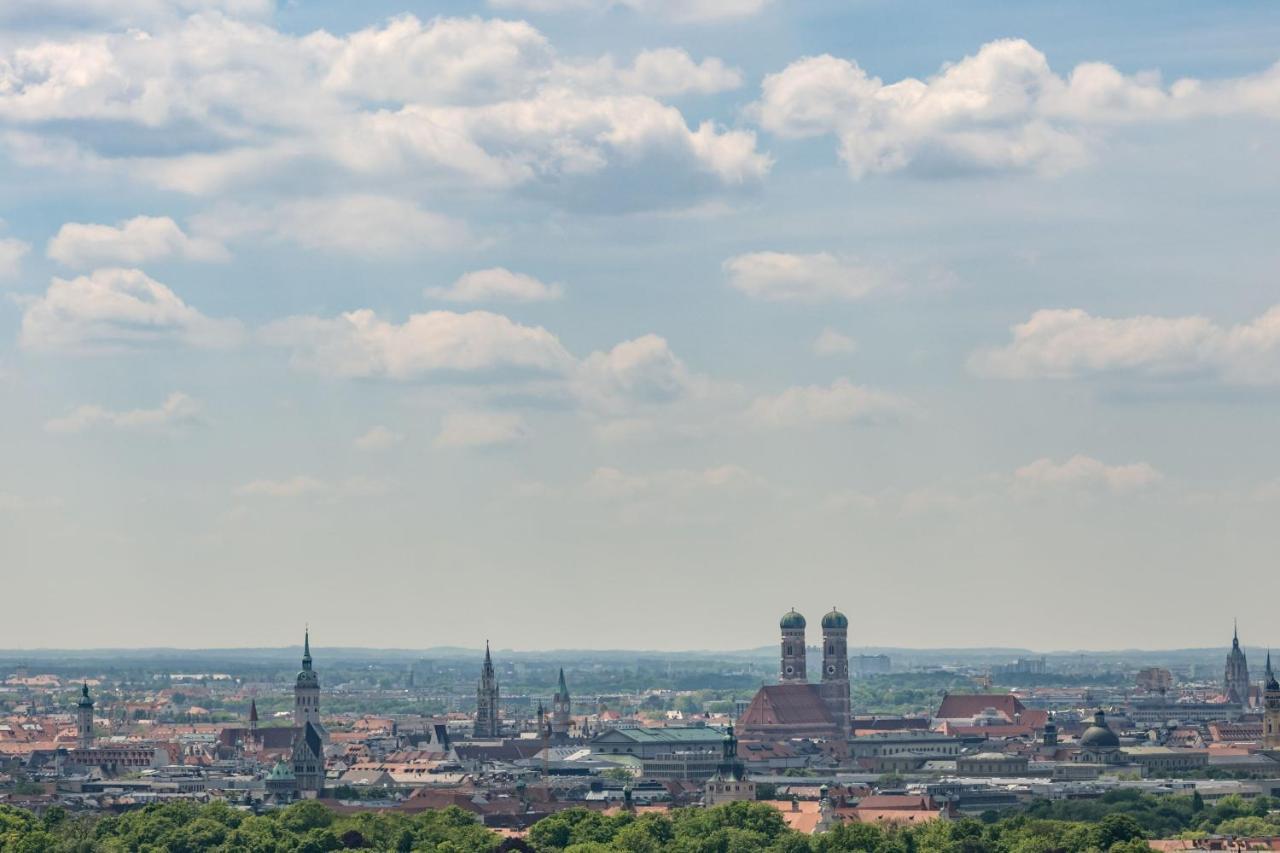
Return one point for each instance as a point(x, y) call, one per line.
point(792, 670)
point(835, 668)
point(1271, 709)
point(84, 719)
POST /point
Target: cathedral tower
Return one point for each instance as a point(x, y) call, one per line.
point(792, 670)
point(306, 690)
point(1235, 680)
point(560, 707)
point(487, 699)
point(1271, 709)
point(84, 719)
point(835, 668)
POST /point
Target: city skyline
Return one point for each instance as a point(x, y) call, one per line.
point(628, 324)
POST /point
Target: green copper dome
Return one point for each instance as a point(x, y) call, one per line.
point(1098, 736)
point(835, 619)
point(793, 620)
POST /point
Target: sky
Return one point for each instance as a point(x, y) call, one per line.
point(633, 323)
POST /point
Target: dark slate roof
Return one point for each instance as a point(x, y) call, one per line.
point(508, 750)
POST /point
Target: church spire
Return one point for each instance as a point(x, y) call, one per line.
point(306, 648)
point(1235, 633)
point(564, 688)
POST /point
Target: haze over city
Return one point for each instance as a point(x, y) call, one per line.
point(595, 324)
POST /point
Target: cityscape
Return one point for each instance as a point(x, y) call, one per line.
point(896, 742)
point(639, 426)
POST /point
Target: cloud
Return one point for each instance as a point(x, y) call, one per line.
point(677, 10)
point(444, 61)
point(118, 308)
point(178, 409)
point(1085, 472)
point(302, 486)
point(831, 342)
point(362, 224)
point(378, 438)
point(359, 344)
point(643, 370)
point(215, 102)
point(12, 251)
point(670, 71)
point(480, 429)
point(497, 284)
point(1068, 343)
point(841, 402)
point(131, 242)
point(1001, 109)
point(821, 277)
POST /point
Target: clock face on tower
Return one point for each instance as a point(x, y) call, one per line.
point(831, 668)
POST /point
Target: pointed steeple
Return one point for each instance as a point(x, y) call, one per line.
point(1235, 633)
point(306, 648)
point(253, 710)
point(487, 670)
point(564, 688)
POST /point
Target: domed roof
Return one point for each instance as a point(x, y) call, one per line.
point(792, 619)
point(835, 619)
point(1098, 736)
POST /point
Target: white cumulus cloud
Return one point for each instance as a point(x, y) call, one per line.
point(12, 251)
point(819, 277)
point(1085, 472)
point(841, 402)
point(360, 344)
point(448, 101)
point(118, 308)
point(131, 242)
point(1066, 343)
point(1001, 109)
point(497, 284)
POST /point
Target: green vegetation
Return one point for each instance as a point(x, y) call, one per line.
point(1120, 822)
point(905, 693)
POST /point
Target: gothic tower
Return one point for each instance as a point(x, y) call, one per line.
point(560, 706)
point(792, 671)
point(1271, 709)
point(487, 699)
point(1235, 681)
point(84, 719)
point(306, 690)
point(835, 668)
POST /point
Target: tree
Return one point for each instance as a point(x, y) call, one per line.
point(1115, 828)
